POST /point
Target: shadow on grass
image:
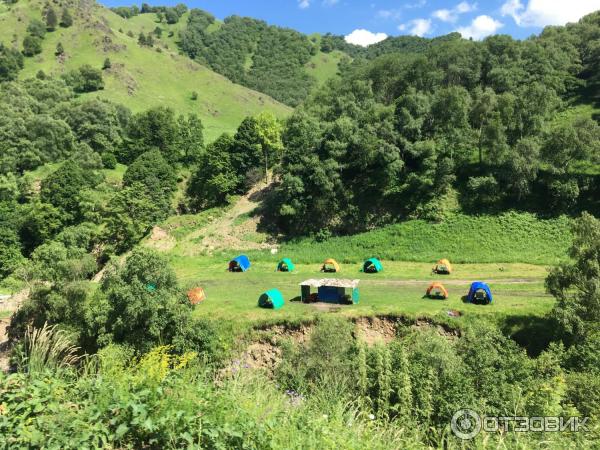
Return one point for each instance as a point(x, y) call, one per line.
point(532, 333)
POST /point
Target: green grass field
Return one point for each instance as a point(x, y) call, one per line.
point(518, 290)
point(512, 252)
point(324, 66)
point(140, 77)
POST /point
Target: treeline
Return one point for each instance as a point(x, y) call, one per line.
point(50, 224)
point(250, 52)
point(393, 44)
point(486, 124)
point(168, 14)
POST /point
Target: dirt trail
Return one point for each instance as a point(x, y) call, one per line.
point(11, 305)
point(223, 232)
point(455, 282)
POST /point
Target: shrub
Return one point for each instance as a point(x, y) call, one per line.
point(32, 45)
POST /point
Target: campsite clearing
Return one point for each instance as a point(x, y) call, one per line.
point(399, 290)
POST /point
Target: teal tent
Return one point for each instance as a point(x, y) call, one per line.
point(372, 265)
point(271, 299)
point(285, 265)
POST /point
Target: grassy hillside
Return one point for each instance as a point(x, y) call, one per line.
point(140, 77)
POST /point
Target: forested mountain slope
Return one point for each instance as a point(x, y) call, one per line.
point(139, 76)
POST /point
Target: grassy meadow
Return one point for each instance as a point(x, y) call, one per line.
point(140, 77)
point(398, 290)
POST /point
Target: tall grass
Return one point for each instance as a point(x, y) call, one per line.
point(506, 238)
point(47, 348)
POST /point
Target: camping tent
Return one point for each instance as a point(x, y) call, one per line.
point(271, 299)
point(285, 265)
point(330, 265)
point(196, 295)
point(239, 264)
point(372, 265)
point(479, 293)
point(443, 266)
point(437, 290)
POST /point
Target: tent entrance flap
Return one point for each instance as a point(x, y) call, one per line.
point(372, 265)
point(239, 264)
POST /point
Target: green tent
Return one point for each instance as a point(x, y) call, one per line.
point(285, 265)
point(372, 265)
point(271, 299)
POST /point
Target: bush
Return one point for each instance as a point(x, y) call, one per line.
point(32, 45)
point(109, 160)
point(85, 79)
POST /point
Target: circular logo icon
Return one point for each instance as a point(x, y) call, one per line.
point(466, 424)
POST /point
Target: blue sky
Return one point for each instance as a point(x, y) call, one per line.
point(367, 21)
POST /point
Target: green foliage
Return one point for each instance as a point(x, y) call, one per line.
point(153, 171)
point(128, 312)
point(32, 45)
point(131, 213)
point(51, 19)
point(85, 79)
point(63, 189)
point(36, 28)
point(575, 284)
point(248, 51)
point(215, 179)
point(11, 63)
point(66, 20)
point(155, 128)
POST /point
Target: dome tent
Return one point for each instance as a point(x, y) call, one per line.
point(239, 264)
point(372, 265)
point(271, 299)
point(479, 292)
point(330, 265)
point(285, 265)
point(437, 290)
point(196, 295)
point(443, 267)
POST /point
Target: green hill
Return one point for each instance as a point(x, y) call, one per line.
point(140, 77)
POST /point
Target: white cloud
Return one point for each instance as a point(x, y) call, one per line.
point(445, 15)
point(480, 27)
point(540, 13)
point(415, 5)
point(393, 14)
point(364, 38)
point(418, 27)
point(303, 4)
point(465, 7)
point(451, 15)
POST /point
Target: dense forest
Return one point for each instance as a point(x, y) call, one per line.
point(250, 52)
point(108, 351)
point(485, 125)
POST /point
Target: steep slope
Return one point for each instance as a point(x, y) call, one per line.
point(140, 77)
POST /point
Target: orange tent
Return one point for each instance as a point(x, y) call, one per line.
point(443, 266)
point(330, 265)
point(196, 295)
point(437, 290)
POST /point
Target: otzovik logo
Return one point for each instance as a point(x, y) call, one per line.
point(466, 424)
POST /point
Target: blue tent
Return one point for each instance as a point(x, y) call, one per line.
point(479, 293)
point(239, 264)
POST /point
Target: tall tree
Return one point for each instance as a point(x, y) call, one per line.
point(51, 19)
